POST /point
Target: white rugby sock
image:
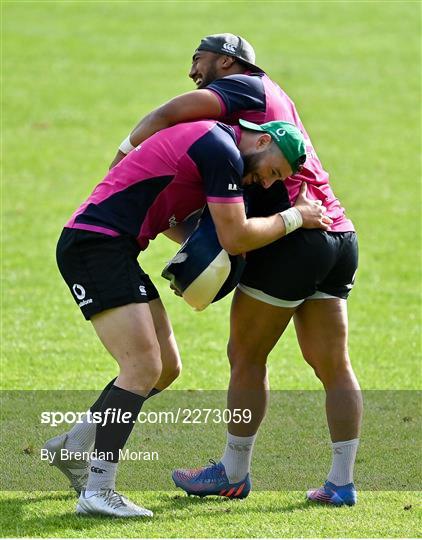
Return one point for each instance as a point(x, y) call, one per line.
point(102, 475)
point(237, 457)
point(344, 454)
point(81, 437)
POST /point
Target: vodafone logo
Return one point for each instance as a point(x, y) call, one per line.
point(281, 132)
point(80, 294)
point(78, 291)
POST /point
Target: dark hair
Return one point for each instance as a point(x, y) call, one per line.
point(299, 162)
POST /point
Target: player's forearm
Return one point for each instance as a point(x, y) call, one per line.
point(147, 126)
point(254, 233)
point(117, 158)
point(258, 232)
point(239, 235)
point(184, 108)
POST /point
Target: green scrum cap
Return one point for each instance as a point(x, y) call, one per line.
point(287, 137)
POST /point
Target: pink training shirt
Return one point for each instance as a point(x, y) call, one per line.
point(256, 98)
point(163, 181)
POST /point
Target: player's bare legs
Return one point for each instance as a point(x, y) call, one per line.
point(322, 332)
point(255, 328)
point(140, 338)
point(129, 334)
point(322, 328)
point(82, 435)
point(170, 357)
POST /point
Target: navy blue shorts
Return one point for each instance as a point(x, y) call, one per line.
point(308, 263)
point(101, 271)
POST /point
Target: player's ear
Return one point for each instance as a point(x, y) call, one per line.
point(263, 142)
point(226, 62)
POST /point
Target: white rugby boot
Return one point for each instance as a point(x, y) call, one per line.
point(108, 502)
point(75, 470)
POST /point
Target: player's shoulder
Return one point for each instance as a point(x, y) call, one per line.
point(217, 145)
point(224, 138)
point(220, 135)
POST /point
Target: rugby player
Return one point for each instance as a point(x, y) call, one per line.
point(311, 274)
point(173, 174)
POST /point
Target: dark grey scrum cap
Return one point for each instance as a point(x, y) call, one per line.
point(230, 45)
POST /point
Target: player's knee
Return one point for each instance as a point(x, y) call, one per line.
point(341, 376)
point(143, 369)
point(241, 358)
point(145, 377)
point(331, 370)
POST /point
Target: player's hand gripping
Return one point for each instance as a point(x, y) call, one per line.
point(313, 212)
point(175, 290)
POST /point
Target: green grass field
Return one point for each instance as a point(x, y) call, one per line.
point(76, 76)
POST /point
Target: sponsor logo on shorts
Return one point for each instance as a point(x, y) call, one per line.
point(232, 187)
point(142, 290)
point(78, 291)
point(85, 302)
point(80, 294)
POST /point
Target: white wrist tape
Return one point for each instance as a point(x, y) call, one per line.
point(292, 219)
point(126, 146)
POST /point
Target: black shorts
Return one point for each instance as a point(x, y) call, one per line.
point(308, 263)
point(101, 271)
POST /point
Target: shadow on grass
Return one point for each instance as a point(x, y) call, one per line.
point(165, 507)
point(13, 522)
point(222, 504)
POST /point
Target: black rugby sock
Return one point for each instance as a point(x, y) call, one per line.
point(112, 436)
point(82, 435)
point(97, 405)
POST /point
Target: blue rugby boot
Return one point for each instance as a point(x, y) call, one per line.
point(329, 493)
point(211, 480)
